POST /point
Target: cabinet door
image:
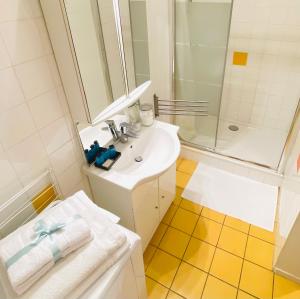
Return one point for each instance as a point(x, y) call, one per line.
point(146, 210)
point(167, 190)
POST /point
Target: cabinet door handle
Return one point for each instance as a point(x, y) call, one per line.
point(162, 196)
point(156, 207)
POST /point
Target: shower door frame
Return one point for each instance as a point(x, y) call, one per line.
point(214, 150)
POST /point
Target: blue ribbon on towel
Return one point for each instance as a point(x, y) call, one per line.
point(42, 231)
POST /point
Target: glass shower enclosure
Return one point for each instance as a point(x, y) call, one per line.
point(201, 35)
point(251, 106)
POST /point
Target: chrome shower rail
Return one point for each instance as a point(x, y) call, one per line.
point(180, 107)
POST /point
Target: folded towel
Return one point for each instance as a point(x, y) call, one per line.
point(29, 252)
point(109, 243)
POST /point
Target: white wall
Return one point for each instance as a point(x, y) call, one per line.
point(36, 130)
point(161, 45)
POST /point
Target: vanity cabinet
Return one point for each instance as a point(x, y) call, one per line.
point(166, 190)
point(140, 209)
point(145, 205)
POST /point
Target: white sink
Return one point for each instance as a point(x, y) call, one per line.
point(158, 146)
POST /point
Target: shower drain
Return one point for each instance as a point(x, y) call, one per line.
point(233, 128)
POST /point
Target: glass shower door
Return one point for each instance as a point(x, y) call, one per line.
point(201, 34)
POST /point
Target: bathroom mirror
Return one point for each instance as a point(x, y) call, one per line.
point(110, 67)
point(135, 34)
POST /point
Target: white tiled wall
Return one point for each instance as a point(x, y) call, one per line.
point(36, 130)
point(266, 91)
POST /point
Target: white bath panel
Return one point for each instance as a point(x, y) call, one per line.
point(233, 195)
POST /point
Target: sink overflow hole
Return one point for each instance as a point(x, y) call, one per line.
point(138, 159)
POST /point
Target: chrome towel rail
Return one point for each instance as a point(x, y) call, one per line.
point(180, 107)
point(19, 209)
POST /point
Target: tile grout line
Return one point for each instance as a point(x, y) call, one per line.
point(216, 246)
point(225, 282)
point(204, 241)
point(213, 258)
point(222, 223)
point(157, 247)
point(248, 233)
point(243, 260)
point(208, 273)
point(181, 260)
point(190, 237)
point(273, 284)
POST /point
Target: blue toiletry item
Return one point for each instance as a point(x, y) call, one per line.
point(91, 154)
point(112, 152)
point(107, 153)
point(99, 155)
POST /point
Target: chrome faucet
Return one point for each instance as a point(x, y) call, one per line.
point(113, 129)
point(126, 130)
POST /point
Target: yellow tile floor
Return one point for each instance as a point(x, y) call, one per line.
point(198, 253)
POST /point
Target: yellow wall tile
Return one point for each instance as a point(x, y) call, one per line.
point(44, 198)
point(226, 267)
point(208, 230)
point(215, 288)
point(199, 254)
point(240, 58)
point(189, 281)
point(163, 268)
point(155, 290)
point(233, 241)
point(256, 281)
point(174, 242)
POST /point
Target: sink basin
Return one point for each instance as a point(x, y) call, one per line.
point(149, 155)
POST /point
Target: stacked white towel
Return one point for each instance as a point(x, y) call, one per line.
point(108, 244)
point(28, 268)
